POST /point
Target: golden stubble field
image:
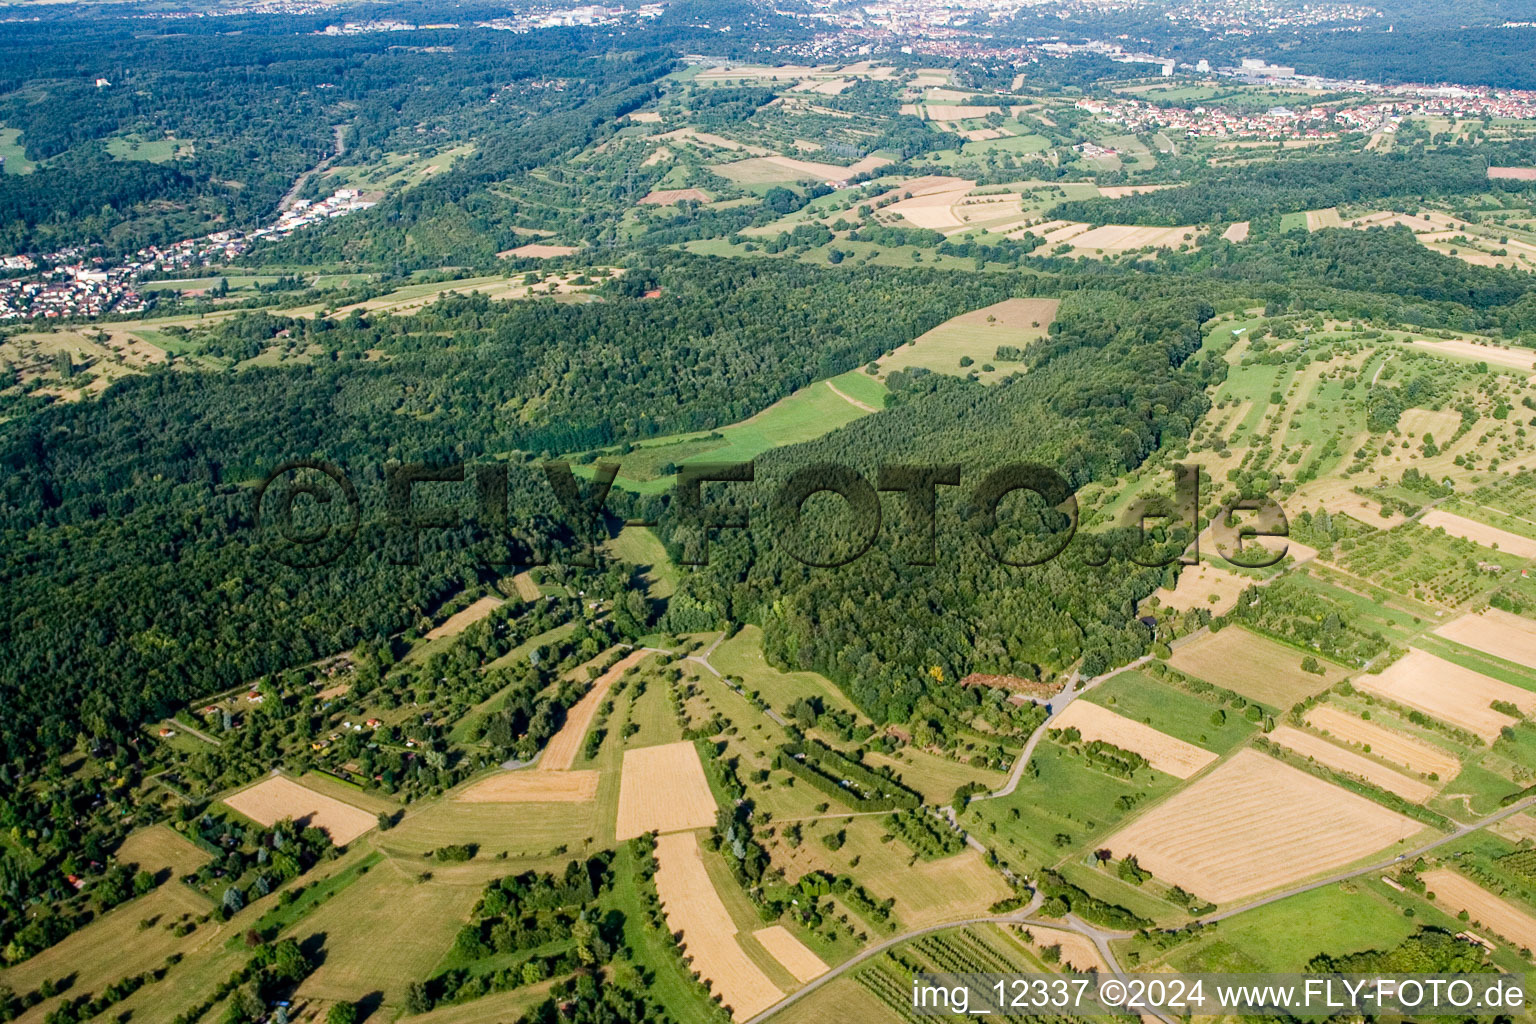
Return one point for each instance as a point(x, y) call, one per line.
point(1418, 756)
point(1255, 824)
point(561, 750)
point(1377, 774)
point(1456, 892)
point(1253, 666)
point(663, 789)
point(692, 907)
point(1495, 632)
point(1445, 690)
point(277, 797)
point(1163, 752)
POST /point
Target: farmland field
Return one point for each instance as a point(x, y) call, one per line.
point(1256, 824)
point(1163, 752)
point(708, 933)
point(1255, 667)
point(663, 790)
point(1326, 753)
point(1416, 755)
point(279, 797)
point(1449, 692)
point(976, 336)
point(1495, 632)
point(1458, 892)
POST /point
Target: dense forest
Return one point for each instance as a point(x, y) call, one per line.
point(1268, 189)
point(133, 576)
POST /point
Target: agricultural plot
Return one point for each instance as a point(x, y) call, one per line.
point(532, 787)
point(742, 656)
point(693, 907)
point(160, 848)
point(789, 951)
point(1347, 761)
point(462, 620)
point(1480, 533)
point(925, 892)
point(1171, 711)
point(387, 929)
point(1258, 668)
point(1495, 632)
point(277, 797)
point(561, 750)
point(976, 336)
point(114, 946)
point(1205, 586)
point(1116, 238)
point(1458, 892)
point(778, 170)
point(1164, 753)
point(1445, 690)
point(663, 789)
point(1419, 757)
point(1256, 824)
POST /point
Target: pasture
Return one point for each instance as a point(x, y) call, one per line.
point(1170, 710)
point(1256, 824)
point(976, 336)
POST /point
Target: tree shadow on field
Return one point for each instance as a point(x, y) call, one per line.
point(367, 1005)
point(313, 948)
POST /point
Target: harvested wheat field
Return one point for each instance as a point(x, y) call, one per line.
point(1255, 824)
point(1253, 666)
point(1513, 173)
point(1237, 232)
point(663, 789)
point(668, 197)
point(1318, 219)
point(1418, 756)
point(1519, 359)
point(1456, 892)
point(532, 787)
point(1511, 637)
point(159, 847)
point(539, 251)
point(277, 797)
point(1448, 692)
point(1077, 951)
point(934, 209)
point(1125, 237)
point(560, 752)
point(766, 169)
point(692, 907)
point(1351, 763)
point(791, 953)
point(1480, 533)
point(1198, 584)
point(526, 588)
point(460, 621)
point(1163, 752)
